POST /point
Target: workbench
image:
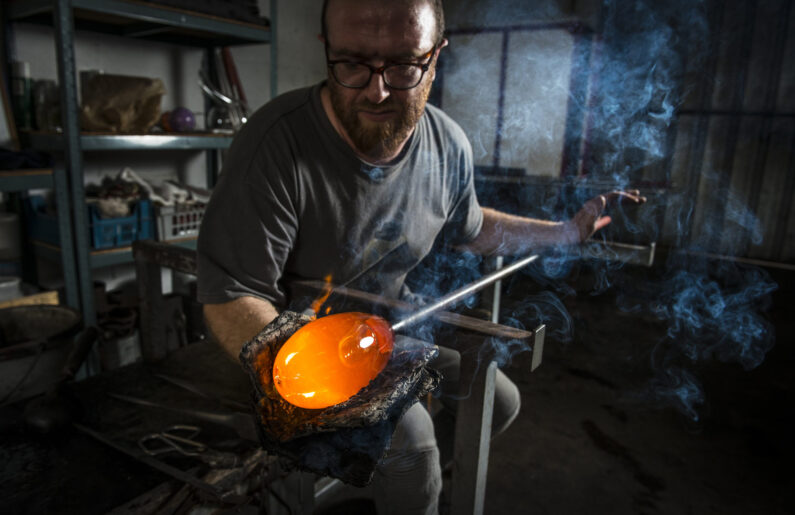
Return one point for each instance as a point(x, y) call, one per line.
point(72, 473)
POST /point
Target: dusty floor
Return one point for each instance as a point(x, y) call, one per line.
point(585, 442)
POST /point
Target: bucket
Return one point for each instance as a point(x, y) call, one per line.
point(10, 288)
point(10, 241)
point(34, 344)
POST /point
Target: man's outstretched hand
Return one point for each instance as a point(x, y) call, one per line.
point(590, 219)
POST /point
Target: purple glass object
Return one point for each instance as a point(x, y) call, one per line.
point(181, 119)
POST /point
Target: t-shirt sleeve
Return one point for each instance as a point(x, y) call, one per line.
point(466, 218)
point(249, 226)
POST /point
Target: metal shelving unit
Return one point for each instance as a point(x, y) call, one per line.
point(21, 180)
point(16, 181)
point(142, 20)
point(88, 142)
point(102, 258)
point(133, 19)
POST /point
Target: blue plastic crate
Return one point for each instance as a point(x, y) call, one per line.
point(118, 232)
point(105, 233)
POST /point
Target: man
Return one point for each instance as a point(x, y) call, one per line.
point(356, 178)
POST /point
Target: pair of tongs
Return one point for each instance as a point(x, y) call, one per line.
point(180, 438)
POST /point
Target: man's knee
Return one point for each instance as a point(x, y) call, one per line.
point(408, 480)
point(507, 399)
point(414, 431)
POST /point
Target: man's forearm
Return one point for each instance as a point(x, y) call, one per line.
point(235, 322)
point(503, 233)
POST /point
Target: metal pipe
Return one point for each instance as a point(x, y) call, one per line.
point(738, 259)
point(461, 293)
point(495, 300)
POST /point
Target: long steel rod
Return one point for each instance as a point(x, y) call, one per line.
point(461, 293)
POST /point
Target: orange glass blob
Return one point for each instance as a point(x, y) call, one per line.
point(330, 359)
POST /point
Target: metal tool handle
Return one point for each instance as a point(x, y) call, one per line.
point(461, 293)
point(170, 439)
point(185, 477)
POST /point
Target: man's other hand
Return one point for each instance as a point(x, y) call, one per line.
point(590, 218)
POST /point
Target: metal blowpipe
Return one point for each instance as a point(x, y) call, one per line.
point(461, 293)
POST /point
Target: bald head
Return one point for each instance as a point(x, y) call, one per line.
point(435, 5)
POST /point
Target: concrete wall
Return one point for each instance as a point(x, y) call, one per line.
point(537, 64)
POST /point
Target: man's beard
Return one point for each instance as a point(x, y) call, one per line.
point(378, 140)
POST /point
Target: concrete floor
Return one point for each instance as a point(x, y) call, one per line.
point(587, 442)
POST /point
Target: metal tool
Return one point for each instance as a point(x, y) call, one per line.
point(216, 493)
point(242, 423)
point(180, 438)
point(642, 255)
point(462, 293)
point(624, 251)
point(187, 385)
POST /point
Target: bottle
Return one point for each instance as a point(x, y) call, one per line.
point(46, 106)
point(21, 95)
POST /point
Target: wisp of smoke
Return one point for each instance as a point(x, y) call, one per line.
point(636, 69)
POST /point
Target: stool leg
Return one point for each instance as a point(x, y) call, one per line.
point(472, 435)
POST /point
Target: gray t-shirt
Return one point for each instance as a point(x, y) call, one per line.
point(295, 202)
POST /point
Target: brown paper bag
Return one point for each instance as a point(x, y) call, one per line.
point(119, 103)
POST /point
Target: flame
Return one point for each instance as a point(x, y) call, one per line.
point(323, 297)
point(330, 359)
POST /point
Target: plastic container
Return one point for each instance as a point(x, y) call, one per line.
point(21, 94)
point(10, 248)
point(10, 288)
point(119, 351)
point(179, 221)
point(106, 233)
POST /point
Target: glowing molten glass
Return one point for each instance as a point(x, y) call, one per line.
point(330, 359)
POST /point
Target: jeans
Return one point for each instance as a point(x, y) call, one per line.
point(408, 480)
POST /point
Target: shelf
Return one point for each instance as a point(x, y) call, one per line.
point(145, 20)
point(136, 20)
point(104, 257)
point(110, 141)
point(22, 180)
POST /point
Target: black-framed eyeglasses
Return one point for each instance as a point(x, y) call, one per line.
point(357, 75)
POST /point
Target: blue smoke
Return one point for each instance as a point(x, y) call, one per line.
point(676, 387)
point(637, 68)
point(708, 320)
point(711, 309)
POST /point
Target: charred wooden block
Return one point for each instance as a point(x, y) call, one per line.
point(345, 440)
